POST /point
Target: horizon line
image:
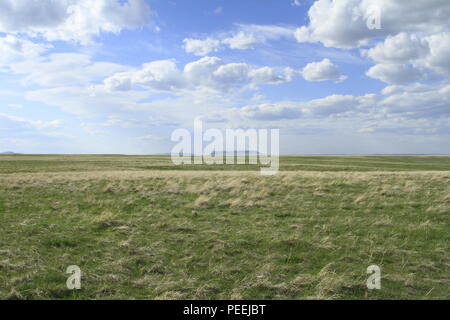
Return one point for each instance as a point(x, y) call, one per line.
point(286, 154)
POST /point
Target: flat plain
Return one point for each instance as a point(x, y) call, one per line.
point(141, 228)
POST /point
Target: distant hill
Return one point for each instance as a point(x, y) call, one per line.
point(8, 152)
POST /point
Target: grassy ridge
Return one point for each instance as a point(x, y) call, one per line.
point(148, 234)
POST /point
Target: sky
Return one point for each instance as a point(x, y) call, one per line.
point(119, 76)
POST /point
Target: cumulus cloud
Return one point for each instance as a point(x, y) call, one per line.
point(241, 41)
point(438, 58)
point(321, 71)
point(415, 46)
point(159, 75)
point(343, 23)
point(74, 20)
point(207, 73)
point(395, 73)
point(201, 47)
point(267, 75)
point(406, 57)
point(400, 48)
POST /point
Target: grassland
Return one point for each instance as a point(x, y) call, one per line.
point(141, 228)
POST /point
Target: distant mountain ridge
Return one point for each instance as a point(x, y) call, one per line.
point(8, 152)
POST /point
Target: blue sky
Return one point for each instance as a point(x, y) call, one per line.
point(114, 76)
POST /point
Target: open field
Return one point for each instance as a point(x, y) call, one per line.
point(141, 228)
point(83, 163)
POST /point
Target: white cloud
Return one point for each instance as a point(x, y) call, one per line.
point(416, 46)
point(128, 107)
point(395, 73)
point(263, 33)
point(336, 24)
point(418, 101)
point(390, 112)
point(159, 75)
point(34, 124)
point(14, 50)
point(119, 82)
point(63, 69)
point(210, 74)
point(398, 105)
point(339, 104)
point(331, 106)
point(74, 20)
point(400, 48)
point(201, 47)
point(439, 56)
point(214, 74)
point(228, 76)
point(30, 16)
point(405, 57)
point(321, 71)
point(270, 112)
point(246, 36)
point(267, 75)
point(343, 23)
point(249, 35)
point(416, 87)
point(241, 41)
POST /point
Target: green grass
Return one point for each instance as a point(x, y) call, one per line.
point(140, 230)
point(84, 163)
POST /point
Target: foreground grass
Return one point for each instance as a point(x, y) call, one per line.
point(148, 234)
